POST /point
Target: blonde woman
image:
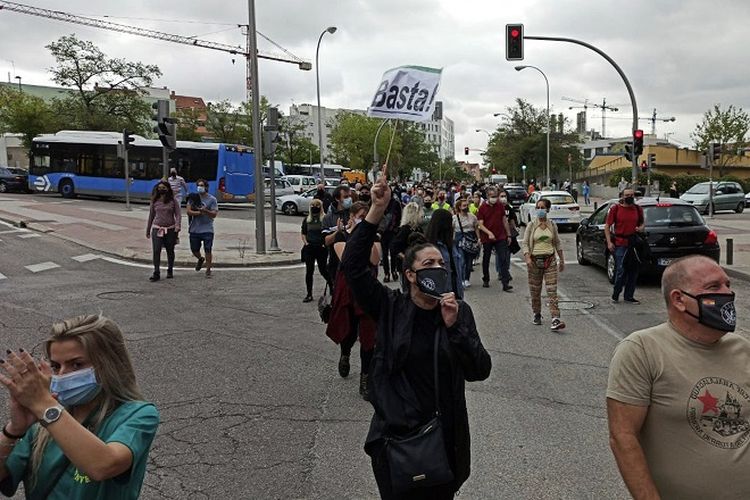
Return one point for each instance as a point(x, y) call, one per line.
point(78, 426)
point(314, 249)
point(412, 219)
point(540, 243)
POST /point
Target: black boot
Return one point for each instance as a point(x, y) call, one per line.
point(363, 387)
point(344, 365)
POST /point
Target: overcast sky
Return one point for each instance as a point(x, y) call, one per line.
point(680, 56)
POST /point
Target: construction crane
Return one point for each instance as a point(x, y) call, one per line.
point(653, 119)
point(157, 35)
point(587, 103)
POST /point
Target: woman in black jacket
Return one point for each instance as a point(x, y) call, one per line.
point(401, 383)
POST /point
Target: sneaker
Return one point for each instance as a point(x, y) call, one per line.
point(467, 284)
point(485, 284)
point(344, 365)
point(208, 273)
point(537, 319)
point(633, 301)
point(199, 264)
point(614, 300)
point(507, 288)
point(309, 298)
point(557, 324)
point(154, 277)
point(170, 275)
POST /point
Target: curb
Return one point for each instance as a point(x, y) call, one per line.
point(736, 273)
point(287, 261)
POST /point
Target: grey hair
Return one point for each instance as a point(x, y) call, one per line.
point(677, 275)
point(413, 215)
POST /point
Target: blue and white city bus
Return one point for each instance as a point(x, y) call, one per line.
point(82, 162)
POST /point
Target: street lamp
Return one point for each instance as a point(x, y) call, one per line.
point(331, 30)
point(20, 89)
point(519, 68)
point(485, 131)
point(523, 169)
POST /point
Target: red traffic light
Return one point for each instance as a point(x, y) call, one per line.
point(514, 42)
point(514, 33)
point(638, 134)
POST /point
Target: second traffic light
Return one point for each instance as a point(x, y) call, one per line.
point(514, 42)
point(466, 150)
point(629, 152)
point(165, 126)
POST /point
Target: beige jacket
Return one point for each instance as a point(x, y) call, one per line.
point(528, 241)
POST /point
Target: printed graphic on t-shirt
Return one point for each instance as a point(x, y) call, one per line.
point(715, 412)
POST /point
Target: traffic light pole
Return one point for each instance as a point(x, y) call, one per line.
point(165, 163)
point(127, 178)
point(622, 75)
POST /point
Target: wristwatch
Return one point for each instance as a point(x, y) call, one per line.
point(51, 415)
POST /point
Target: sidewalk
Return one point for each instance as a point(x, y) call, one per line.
point(726, 225)
point(119, 233)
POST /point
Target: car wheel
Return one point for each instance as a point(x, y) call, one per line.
point(3, 187)
point(579, 253)
point(740, 207)
point(611, 268)
point(289, 208)
point(66, 189)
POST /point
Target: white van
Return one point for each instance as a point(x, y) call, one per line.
point(301, 183)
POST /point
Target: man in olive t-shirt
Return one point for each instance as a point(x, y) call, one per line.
point(678, 396)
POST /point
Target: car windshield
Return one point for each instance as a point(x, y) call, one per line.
point(559, 199)
point(698, 189)
point(4, 171)
point(672, 215)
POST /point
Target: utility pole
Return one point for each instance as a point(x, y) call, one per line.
point(253, 88)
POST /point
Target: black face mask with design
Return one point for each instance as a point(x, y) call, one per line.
point(433, 281)
point(715, 310)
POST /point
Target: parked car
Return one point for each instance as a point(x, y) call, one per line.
point(727, 196)
point(516, 194)
point(674, 228)
point(294, 204)
point(747, 199)
point(331, 181)
point(301, 183)
point(564, 212)
point(13, 180)
point(283, 188)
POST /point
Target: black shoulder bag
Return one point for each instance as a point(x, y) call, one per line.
point(420, 459)
point(469, 242)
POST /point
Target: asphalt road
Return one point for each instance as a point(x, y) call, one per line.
point(251, 402)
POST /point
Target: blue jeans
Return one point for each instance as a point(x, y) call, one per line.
point(502, 256)
point(625, 275)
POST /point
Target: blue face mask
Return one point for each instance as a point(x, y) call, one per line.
point(75, 389)
point(541, 213)
point(347, 202)
point(201, 189)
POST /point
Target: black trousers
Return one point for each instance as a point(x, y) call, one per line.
point(346, 346)
point(315, 254)
point(385, 241)
point(168, 241)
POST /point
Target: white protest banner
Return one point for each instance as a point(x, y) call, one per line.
point(406, 93)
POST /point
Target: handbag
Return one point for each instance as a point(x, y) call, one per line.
point(543, 261)
point(468, 243)
point(324, 305)
point(420, 460)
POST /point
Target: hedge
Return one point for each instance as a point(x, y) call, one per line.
point(684, 181)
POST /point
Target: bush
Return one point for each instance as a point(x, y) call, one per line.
point(686, 181)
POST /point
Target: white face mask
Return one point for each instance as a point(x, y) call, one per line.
point(503, 199)
point(493, 200)
point(201, 189)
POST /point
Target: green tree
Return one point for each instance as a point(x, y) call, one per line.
point(188, 122)
point(727, 127)
point(107, 93)
point(27, 115)
point(225, 123)
point(351, 144)
point(521, 140)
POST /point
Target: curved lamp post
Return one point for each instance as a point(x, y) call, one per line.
point(519, 68)
point(331, 30)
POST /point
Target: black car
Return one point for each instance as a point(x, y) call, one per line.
point(13, 180)
point(516, 194)
point(674, 229)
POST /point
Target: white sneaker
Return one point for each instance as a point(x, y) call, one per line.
point(467, 283)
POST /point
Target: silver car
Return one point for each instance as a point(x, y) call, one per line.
point(727, 196)
point(294, 204)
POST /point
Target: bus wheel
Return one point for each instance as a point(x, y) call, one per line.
point(66, 189)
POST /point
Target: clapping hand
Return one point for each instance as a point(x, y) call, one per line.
point(28, 384)
point(380, 193)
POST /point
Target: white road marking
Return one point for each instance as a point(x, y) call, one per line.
point(86, 257)
point(44, 266)
point(3, 277)
point(30, 235)
point(14, 231)
point(122, 262)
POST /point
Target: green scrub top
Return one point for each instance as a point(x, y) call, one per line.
point(132, 424)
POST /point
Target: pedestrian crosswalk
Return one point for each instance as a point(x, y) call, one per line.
point(43, 266)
